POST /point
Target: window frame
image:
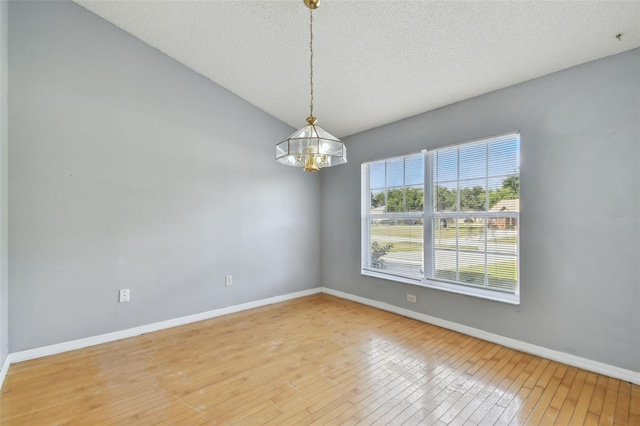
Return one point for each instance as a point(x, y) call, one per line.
point(428, 216)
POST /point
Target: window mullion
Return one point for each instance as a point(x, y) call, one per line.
point(386, 202)
point(427, 218)
point(486, 208)
point(458, 212)
point(404, 185)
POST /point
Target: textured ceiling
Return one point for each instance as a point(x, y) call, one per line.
point(379, 61)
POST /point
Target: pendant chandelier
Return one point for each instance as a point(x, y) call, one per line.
point(311, 147)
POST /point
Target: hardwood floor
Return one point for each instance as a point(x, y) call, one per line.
point(315, 360)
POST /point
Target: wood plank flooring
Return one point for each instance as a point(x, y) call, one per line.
point(314, 360)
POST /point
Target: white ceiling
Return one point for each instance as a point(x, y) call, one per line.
point(375, 62)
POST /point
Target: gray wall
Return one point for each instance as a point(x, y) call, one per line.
point(4, 307)
point(580, 147)
point(119, 154)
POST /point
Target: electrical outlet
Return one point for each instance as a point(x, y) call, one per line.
point(412, 298)
point(228, 280)
point(125, 295)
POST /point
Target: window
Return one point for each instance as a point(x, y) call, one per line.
point(446, 218)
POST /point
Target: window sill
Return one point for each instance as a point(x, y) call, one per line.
point(496, 296)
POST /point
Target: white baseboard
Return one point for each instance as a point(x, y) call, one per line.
point(5, 369)
point(136, 331)
point(576, 361)
point(573, 360)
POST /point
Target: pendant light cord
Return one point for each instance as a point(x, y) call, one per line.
point(311, 57)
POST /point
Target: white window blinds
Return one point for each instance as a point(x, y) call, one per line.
point(467, 235)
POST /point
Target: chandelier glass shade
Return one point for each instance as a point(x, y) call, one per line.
point(311, 147)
